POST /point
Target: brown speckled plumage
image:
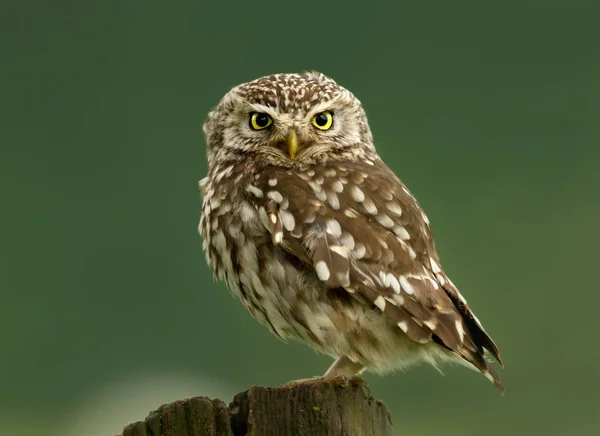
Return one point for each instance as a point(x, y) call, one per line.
point(328, 247)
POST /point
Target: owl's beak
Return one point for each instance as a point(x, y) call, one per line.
point(292, 142)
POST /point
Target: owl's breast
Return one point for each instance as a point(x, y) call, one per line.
point(269, 281)
point(230, 226)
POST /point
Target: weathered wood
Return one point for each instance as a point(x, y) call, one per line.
point(197, 416)
point(315, 408)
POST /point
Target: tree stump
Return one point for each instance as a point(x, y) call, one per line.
point(315, 408)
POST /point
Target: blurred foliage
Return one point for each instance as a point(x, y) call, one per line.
point(489, 112)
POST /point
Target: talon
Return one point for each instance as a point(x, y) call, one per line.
point(295, 383)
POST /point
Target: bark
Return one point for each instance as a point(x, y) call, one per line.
point(315, 408)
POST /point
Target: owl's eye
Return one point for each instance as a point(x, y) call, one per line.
point(259, 121)
point(323, 120)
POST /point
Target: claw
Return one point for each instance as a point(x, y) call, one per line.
point(295, 383)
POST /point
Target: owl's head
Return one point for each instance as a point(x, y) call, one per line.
point(288, 120)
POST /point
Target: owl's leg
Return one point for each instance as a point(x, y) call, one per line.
point(342, 370)
point(343, 367)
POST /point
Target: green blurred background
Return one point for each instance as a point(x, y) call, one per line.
point(490, 114)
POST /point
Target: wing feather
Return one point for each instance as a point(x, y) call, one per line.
point(373, 240)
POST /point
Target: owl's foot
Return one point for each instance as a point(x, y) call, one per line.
point(343, 372)
point(311, 380)
point(343, 367)
point(339, 380)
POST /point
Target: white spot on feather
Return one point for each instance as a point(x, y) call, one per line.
point(399, 299)
point(337, 186)
point(385, 221)
point(322, 270)
point(356, 193)
point(257, 192)
point(287, 219)
point(460, 330)
point(275, 195)
point(394, 208)
point(434, 266)
point(333, 200)
point(425, 218)
point(440, 278)
point(403, 326)
point(401, 232)
point(360, 250)
point(408, 288)
point(433, 282)
point(369, 206)
point(384, 277)
point(278, 237)
point(347, 240)
point(342, 251)
point(333, 228)
point(315, 186)
point(380, 302)
point(390, 300)
point(430, 324)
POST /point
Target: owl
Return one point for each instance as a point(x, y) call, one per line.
point(320, 240)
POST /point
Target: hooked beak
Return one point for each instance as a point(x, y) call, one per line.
point(292, 143)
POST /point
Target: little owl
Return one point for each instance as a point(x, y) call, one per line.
point(319, 238)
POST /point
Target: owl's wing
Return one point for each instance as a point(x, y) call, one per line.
point(361, 229)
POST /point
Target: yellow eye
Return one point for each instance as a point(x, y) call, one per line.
point(323, 120)
point(259, 121)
